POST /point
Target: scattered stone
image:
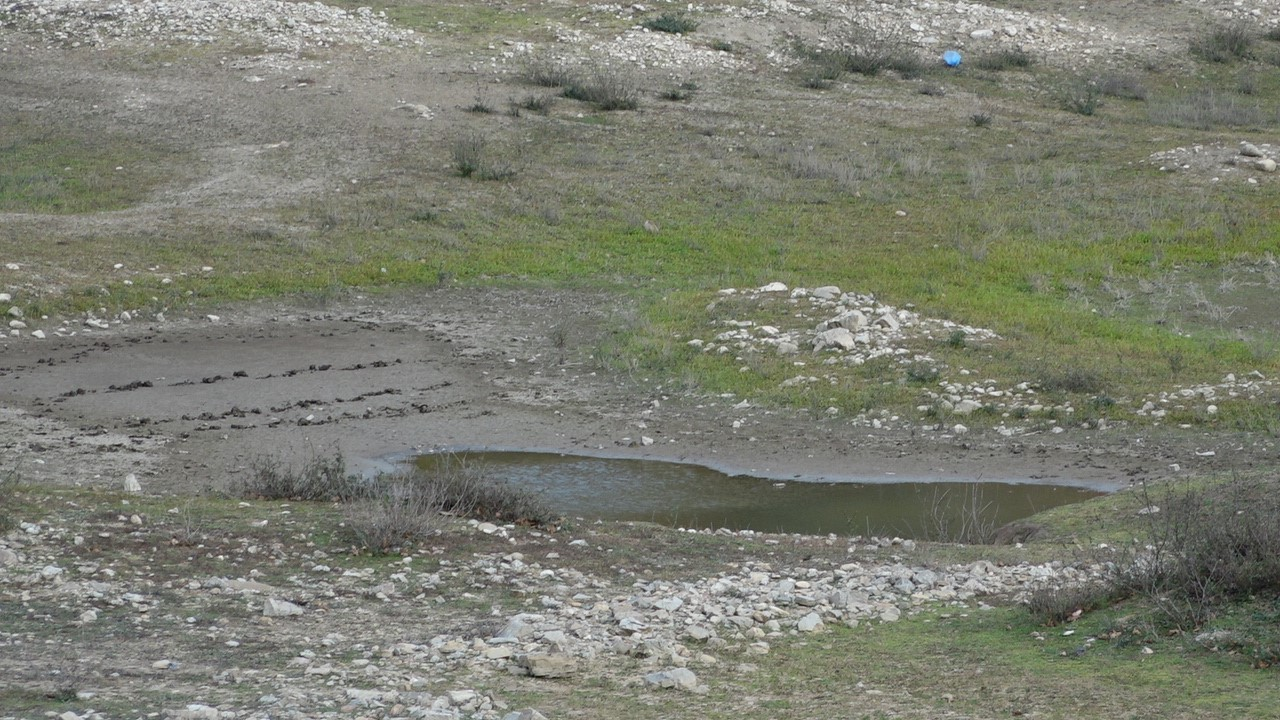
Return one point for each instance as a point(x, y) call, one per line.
point(526, 714)
point(274, 607)
point(1266, 165)
point(1250, 150)
point(8, 557)
point(547, 665)
point(809, 623)
point(679, 678)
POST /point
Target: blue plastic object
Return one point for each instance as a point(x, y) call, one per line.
point(951, 58)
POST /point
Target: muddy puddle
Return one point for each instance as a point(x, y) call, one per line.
point(695, 496)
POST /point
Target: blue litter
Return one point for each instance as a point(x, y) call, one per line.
point(951, 58)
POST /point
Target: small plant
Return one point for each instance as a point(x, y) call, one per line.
point(546, 71)
point(723, 46)
point(932, 90)
point(980, 119)
point(1058, 605)
point(998, 60)
point(1075, 380)
point(540, 104)
point(957, 339)
point(320, 478)
point(1082, 96)
point(680, 93)
point(673, 23)
point(1127, 87)
point(1208, 110)
point(480, 107)
point(922, 373)
point(474, 158)
point(1224, 44)
point(1247, 84)
point(605, 86)
point(8, 486)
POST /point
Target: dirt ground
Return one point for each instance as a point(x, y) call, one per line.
point(192, 404)
point(189, 404)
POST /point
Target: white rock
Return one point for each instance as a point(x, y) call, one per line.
point(983, 34)
point(959, 429)
point(273, 607)
point(131, 484)
point(809, 623)
point(17, 325)
point(1266, 165)
point(38, 334)
point(966, 407)
point(774, 287)
point(826, 292)
point(837, 337)
point(680, 678)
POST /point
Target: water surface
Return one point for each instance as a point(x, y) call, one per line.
point(685, 495)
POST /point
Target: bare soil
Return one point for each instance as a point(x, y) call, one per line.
point(192, 404)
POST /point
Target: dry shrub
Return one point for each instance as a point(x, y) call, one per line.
point(320, 478)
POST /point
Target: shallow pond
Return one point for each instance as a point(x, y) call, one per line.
point(685, 495)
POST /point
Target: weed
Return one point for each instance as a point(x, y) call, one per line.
point(723, 46)
point(1204, 548)
point(400, 510)
point(959, 516)
point(679, 93)
point(673, 23)
point(1075, 381)
point(1247, 84)
point(480, 107)
point(1057, 605)
point(1128, 87)
point(932, 90)
point(957, 339)
point(540, 104)
point(473, 157)
point(608, 87)
point(320, 478)
point(1010, 59)
point(980, 119)
point(546, 71)
point(1208, 110)
point(1272, 34)
point(8, 489)
point(922, 373)
point(1081, 96)
point(468, 489)
point(1224, 44)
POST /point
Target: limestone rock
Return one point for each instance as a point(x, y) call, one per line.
point(1265, 165)
point(809, 623)
point(273, 607)
point(547, 665)
point(131, 484)
point(679, 678)
point(1250, 150)
point(526, 714)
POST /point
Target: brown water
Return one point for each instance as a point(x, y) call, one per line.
point(694, 496)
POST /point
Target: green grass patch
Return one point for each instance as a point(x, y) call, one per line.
point(43, 170)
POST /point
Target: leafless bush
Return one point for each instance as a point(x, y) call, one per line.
point(959, 516)
point(319, 478)
point(1055, 605)
point(1205, 547)
point(401, 511)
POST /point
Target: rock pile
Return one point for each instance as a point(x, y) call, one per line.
point(280, 26)
point(574, 624)
point(851, 328)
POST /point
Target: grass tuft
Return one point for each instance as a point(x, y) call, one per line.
point(319, 478)
point(673, 23)
point(1010, 59)
point(1224, 44)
